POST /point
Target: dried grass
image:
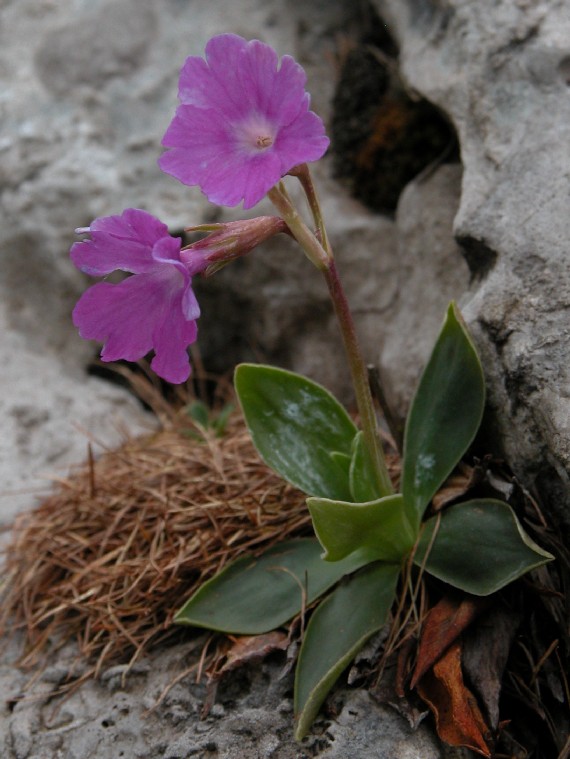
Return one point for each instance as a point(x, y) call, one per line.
point(110, 556)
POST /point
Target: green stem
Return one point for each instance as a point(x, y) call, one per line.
point(320, 254)
point(304, 176)
point(300, 231)
point(359, 379)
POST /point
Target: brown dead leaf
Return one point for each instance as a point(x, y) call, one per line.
point(459, 483)
point(250, 648)
point(458, 718)
point(405, 659)
point(443, 624)
point(485, 652)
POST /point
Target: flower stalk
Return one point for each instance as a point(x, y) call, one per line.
point(320, 254)
point(359, 376)
point(304, 176)
point(311, 246)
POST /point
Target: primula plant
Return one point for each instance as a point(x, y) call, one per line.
point(243, 124)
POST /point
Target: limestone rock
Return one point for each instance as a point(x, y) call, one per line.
point(252, 716)
point(431, 272)
point(51, 414)
point(500, 73)
point(363, 727)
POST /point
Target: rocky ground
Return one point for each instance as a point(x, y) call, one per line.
point(152, 716)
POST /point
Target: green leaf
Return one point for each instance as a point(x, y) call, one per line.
point(253, 596)
point(337, 630)
point(198, 412)
point(221, 420)
point(379, 529)
point(363, 480)
point(343, 460)
point(479, 546)
point(296, 424)
point(445, 414)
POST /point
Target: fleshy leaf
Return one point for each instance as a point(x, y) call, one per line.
point(338, 628)
point(253, 596)
point(445, 414)
point(480, 546)
point(378, 528)
point(363, 479)
point(296, 424)
point(343, 460)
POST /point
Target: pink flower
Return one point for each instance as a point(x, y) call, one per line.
point(153, 309)
point(244, 122)
point(227, 241)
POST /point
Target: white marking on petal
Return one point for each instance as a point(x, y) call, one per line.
point(255, 134)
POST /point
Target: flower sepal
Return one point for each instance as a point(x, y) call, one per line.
point(226, 241)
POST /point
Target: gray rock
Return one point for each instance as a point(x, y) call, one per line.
point(252, 716)
point(88, 90)
point(363, 727)
point(431, 272)
point(51, 413)
point(102, 44)
point(500, 73)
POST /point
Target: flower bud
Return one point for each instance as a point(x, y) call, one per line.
point(228, 241)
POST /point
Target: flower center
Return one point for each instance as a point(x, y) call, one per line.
point(255, 134)
point(263, 142)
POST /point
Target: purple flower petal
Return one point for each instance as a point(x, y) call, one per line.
point(300, 142)
point(189, 305)
point(288, 97)
point(132, 224)
point(258, 69)
point(121, 316)
point(226, 56)
point(199, 137)
point(244, 122)
point(227, 183)
point(194, 85)
point(170, 343)
point(119, 243)
point(167, 251)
